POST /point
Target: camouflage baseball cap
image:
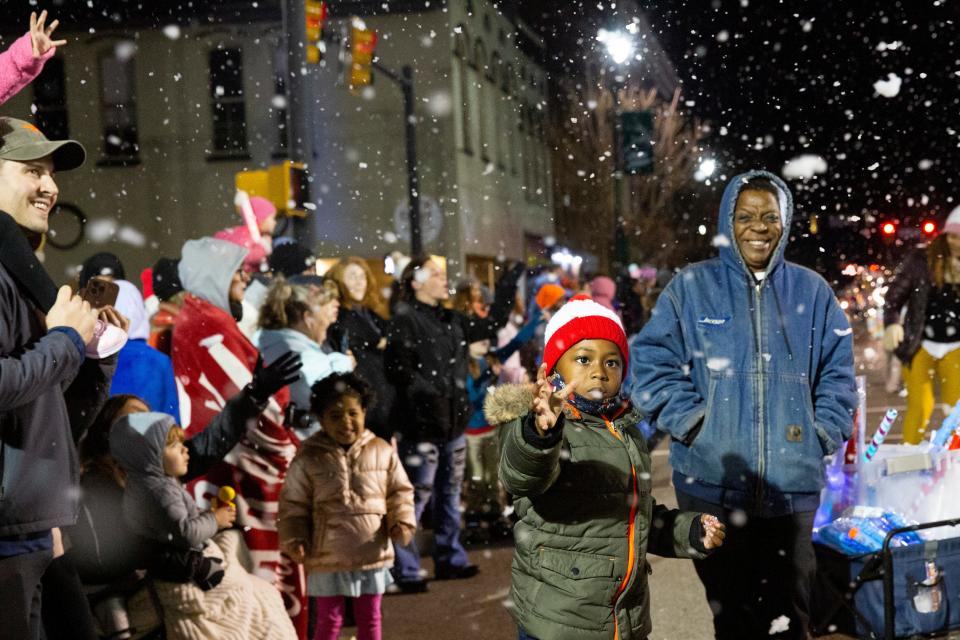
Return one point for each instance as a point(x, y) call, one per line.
point(22, 141)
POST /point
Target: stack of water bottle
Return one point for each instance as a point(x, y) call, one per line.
point(875, 487)
point(863, 529)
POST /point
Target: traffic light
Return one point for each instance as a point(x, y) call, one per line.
point(316, 14)
point(929, 228)
point(888, 228)
point(286, 185)
point(363, 43)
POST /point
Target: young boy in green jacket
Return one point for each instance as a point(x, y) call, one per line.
point(580, 474)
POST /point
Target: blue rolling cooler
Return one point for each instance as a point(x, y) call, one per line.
point(892, 593)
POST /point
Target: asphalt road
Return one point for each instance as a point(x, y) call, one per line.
point(478, 608)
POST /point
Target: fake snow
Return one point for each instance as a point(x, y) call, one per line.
point(718, 364)
point(721, 240)
point(888, 88)
point(804, 166)
point(779, 625)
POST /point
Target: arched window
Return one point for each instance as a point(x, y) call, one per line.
point(461, 52)
point(482, 88)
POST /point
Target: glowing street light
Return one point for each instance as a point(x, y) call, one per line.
point(708, 166)
point(620, 46)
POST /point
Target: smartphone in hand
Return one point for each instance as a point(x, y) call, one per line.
point(100, 293)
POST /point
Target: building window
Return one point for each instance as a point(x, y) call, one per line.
point(482, 86)
point(227, 105)
point(50, 100)
point(462, 54)
point(118, 105)
point(498, 103)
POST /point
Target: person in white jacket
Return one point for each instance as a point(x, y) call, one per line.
point(295, 317)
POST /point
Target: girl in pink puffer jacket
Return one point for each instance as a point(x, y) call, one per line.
point(345, 498)
point(23, 61)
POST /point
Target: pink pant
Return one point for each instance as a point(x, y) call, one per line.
point(366, 609)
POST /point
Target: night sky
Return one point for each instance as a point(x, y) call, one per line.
point(780, 79)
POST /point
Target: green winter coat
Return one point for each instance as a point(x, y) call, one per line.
point(574, 577)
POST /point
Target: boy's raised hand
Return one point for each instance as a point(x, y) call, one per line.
point(40, 37)
point(714, 531)
point(547, 403)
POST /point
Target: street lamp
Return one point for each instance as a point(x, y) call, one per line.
point(620, 47)
point(708, 166)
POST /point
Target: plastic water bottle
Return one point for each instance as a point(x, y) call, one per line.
point(941, 437)
point(896, 521)
point(837, 535)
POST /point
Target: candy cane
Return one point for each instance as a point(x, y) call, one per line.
point(881, 433)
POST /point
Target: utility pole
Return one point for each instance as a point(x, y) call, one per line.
point(405, 81)
point(299, 104)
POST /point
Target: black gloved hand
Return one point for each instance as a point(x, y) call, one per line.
point(268, 380)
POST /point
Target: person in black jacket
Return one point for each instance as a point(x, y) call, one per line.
point(927, 340)
point(50, 391)
point(426, 359)
point(361, 328)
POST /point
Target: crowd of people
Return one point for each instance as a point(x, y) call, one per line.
point(240, 446)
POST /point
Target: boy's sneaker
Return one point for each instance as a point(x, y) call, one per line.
point(107, 340)
point(451, 572)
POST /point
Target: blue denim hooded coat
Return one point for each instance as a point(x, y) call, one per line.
point(752, 378)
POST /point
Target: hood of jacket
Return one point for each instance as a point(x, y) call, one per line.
point(206, 268)
point(137, 442)
point(507, 402)
point(729, 251)
point(273, 343)
point(130, 304)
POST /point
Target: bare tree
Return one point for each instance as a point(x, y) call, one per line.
point(584, 163)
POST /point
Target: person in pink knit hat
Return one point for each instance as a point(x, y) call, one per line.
point(603, 290)
point(23, 61)
point(258, 249)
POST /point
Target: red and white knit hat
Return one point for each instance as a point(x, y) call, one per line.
point(582, 319)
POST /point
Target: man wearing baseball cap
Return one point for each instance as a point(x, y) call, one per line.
point(44, 338)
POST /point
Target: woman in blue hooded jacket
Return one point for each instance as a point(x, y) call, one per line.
point(747, 363)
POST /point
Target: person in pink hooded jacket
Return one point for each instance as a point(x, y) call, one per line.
point(257, 251)
point(23, 61)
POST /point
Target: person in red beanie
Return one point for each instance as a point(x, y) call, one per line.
point(579, 470)
point(257, 249)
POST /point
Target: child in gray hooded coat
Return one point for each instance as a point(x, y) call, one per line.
point(149, 447)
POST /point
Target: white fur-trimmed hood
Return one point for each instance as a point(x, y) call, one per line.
point(508, 402)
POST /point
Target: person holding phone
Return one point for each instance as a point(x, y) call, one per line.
point(50, 390)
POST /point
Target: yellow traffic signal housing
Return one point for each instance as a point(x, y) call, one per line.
point(363, 43)
point(316, 15)
point(286, 185)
